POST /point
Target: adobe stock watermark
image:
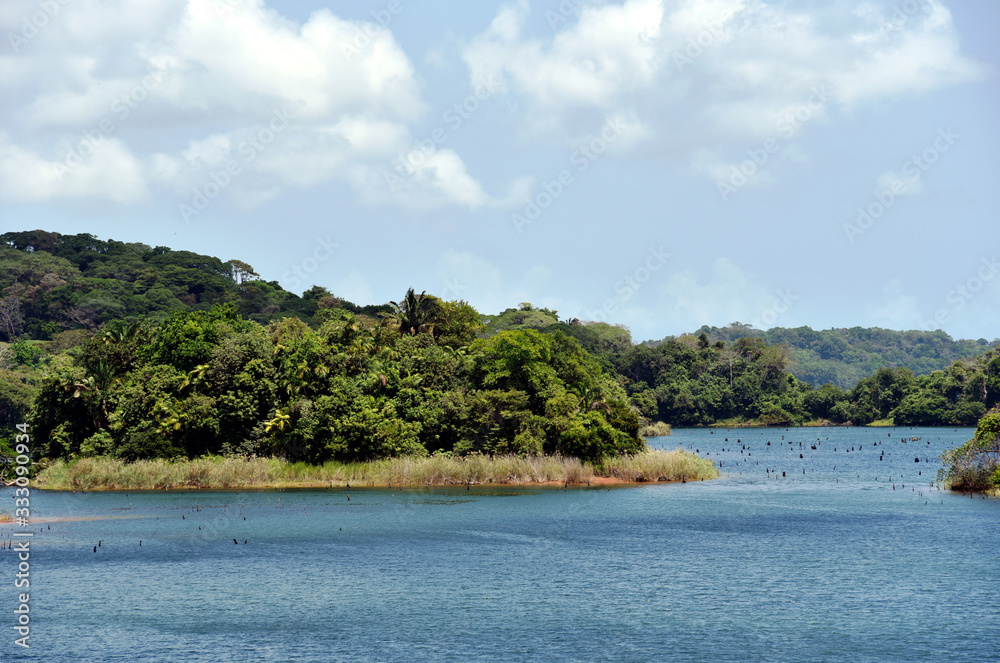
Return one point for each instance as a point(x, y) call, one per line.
point(30, 27)
point(365, 36)
point(554, 188)
point(962, 294)
point(712, 33)
point(627, 286)
point(901, 13)
point(22, 538)
point(786, 127)
point(121, 110)
point(566, 10)
point(255, 144)
point(225, 9)
point(912, 169)
point(297, 276)
point(783, 300)
point(453, 288)
point(408, 164)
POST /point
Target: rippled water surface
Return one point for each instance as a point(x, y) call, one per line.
point(844, 554)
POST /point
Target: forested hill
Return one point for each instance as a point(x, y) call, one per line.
point(842, 357)
point(139, 351)
point(51, 283)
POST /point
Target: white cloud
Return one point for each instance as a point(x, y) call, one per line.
point(353, 287)
point(608, 52)
point(708, 80)
point(468, 276)
point(729, 294)
point(903, 53)
point(900, 185)
point(426, 179)
point(109, 171)
point(896, 309)
point(221, 72)
point(433, 177)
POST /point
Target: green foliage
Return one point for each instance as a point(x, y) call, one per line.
point(18, 390)
point(599, 338)
point(187, 339)
point(99, 444)
point(25, 353)
point(416, 313)
point(159, 354)
point(520, 318)
point(843, 357)
point(695, 384)
point(516, 361)
point(588, 436)
point(976, 464)
point(457, 324)
point(210, 382)
point(51, 282)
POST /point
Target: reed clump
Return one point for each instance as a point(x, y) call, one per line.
point(660, 465)
point(217, 472)
point(658, 429)
point(103, 473)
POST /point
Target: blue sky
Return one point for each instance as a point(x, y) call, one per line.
point(660, 164)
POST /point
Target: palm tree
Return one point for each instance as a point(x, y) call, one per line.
point(195, 377)
point(169, 418)
point(350, 328)
point(416, 313)
point(591, 398)
point(93, 389)
point(120, 331)
point(281, 421)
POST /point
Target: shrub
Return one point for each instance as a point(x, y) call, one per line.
point(976, 464)
point(659, 429)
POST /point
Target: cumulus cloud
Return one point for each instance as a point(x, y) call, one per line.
point(469, 276)
point(609, 51)
point(176, 93)
point(709, 79)
point(728, 294)
point(353, 287)
point(109, 172)
point(900, 184)
point(430, 178)
point(895, 309)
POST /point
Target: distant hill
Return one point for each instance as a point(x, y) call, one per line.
point(51, 283)
point(88, 325)
point(525, 316)
point(842, 357)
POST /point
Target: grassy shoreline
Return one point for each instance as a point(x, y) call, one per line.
point(93, 474)
point(753, 423)
point(819, 423)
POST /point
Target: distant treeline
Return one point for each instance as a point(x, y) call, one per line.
point(51, 283)
point(842, 357)
point(137, 352)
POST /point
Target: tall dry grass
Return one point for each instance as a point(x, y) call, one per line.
point(660, 465)
point(658, 429)
point(237, 472)
point(112, 474)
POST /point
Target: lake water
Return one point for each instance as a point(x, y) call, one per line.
point(856, 559)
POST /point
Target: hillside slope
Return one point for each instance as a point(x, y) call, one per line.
point(844, 356)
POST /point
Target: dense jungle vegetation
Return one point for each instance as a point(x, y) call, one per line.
point(135, 352)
